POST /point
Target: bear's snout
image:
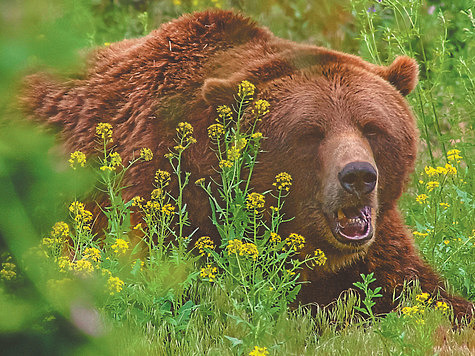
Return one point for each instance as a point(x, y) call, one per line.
point(358, 178)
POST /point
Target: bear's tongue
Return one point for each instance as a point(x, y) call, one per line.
point(353, 223)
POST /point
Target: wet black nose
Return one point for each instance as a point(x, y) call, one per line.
point(358, 178)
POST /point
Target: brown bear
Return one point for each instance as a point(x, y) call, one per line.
point(339, 125)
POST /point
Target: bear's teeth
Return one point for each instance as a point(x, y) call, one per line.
point(341, 214)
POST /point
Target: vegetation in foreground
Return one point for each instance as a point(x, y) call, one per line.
point(233, 298)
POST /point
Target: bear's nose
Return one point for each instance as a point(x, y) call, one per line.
point(358, 178)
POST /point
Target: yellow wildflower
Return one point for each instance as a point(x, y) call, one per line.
point(115, 285)
point(423, 297)
point(168, 209)
point(60, 230)
point(320, 257)
point(421, 198)
point(295, 241)
point(209, 272)
point(168, 155)
point(444, 205)
point(275, 238)
point(420, 234)
point(249, 249)
point(64, 264)
point(446, 242)
point(137, 201)
point(224, 112)
point(79, 213)
point(430, 171)
point(156, 194)
point(256, 135)
point(204, 242)
point(162, 178)
point(442, 306)
point(138, 226)
point(261, 107)
point(283, 181)
point(453, 155)
point(233, 154)
point(254, 202)
point(450, 169)
point(225, 164)
point(104, 131)
point(215, 131)
point(82, 266)
point(431, 185)
point(241, 143)
point(78, 159)
point(120, 247)
point(200, 181)
point(92, 253)
point(8, 271)
point(259, 351)
point(146, 154)
point(246, 90)
point(234, 246)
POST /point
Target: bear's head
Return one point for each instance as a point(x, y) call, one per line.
point(343, 130)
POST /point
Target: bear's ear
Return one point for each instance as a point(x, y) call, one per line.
point(217, 91)
point(403, 73)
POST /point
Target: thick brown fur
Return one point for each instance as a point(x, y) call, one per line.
point(327, 109)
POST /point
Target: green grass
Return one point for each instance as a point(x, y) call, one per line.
point(170, 306)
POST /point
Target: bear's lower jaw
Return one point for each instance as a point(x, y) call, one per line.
point(352, 225)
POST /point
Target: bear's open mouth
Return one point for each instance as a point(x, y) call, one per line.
point(352, 224)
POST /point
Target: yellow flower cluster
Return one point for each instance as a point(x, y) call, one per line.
point(209, 272)
point(256, 135)
point(432, 185)
point(254, 202)
point(225, 164)
point(156, 194)
point(295, 242)
point(246, 90)
point(115, 160)
point(283, 181)
point(420, 234)
point(168, 209)
point(92, 253)
point(137, 201)
point(259, 351)
point(215, 131)
point(275, 238)
point(224, 113)
point(261, 107)
point(200, 181)
point(60, 230)
point(421, 198)
point(447, 170)
point(162, 178)
point(82, 266)
point(453, 155)
point(114, 285)
point(185, 133)
point(104, 131)
point(8, 271)
point(442, 306)
point(81, 216)
point(424, 298)
point(320, 258)
point(120, 247)
point(444, 205)
point(242, 249)
point(78, 159)
point(233, 154)
point(146, 154)
point(204, 242)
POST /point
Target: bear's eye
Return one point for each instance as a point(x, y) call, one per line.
point(370, 130)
